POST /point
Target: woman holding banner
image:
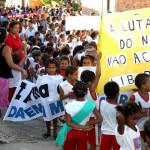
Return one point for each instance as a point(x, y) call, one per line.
point(6, 64)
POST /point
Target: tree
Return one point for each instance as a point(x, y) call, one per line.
point(49, 2)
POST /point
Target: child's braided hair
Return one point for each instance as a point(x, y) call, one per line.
point(80, 89)
point(129, 108)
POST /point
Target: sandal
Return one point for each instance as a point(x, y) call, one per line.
point(46, 135)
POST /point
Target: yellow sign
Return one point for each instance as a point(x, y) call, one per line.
point(125, 46)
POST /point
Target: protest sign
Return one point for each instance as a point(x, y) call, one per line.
point(125, 46)
point(53, 106)
point(82, 23)
point(31, 100)
point(26, 104)
point(123, 96)
point(81, 69)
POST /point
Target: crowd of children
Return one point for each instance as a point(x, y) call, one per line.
point(50, 50)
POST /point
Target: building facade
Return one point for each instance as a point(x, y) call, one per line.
point(123, 5)
point(115, 5)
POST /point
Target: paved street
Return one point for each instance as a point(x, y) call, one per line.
point(24, 136)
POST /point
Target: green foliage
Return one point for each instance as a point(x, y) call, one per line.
point(75, 6)
point(46, 2)
point(49, 2)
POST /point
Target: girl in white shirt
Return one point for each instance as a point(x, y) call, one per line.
point(78, 125)
point(127, 132)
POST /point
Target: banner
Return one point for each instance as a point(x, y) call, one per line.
point(82, 23)
point(125, 46)
point(50, 98)
point(123, 96)
point(22, 15)
point(31, 100)
point(81, 69)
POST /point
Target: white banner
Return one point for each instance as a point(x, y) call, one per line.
point(31, 100)
point(82, 23)
point(81, 69)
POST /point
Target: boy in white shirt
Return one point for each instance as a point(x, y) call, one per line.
point(108, 112)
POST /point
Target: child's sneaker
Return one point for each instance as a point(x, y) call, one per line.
point(62, 119)
point(59, 123)
point(51, 126)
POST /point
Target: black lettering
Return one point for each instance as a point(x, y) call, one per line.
point(23, 86)
point(148, 23)
point(143, 54)
point(129, 43)
point(136, 59)
point(112, 29)
point(122, 44)
point(122, 59)
point(109, 61)
point(130, 79)
point(115, 60)
point(122, 80)
point(36, 93)
point(144, 40)
point(131, 25)
point(43, 90)
point(139, 23)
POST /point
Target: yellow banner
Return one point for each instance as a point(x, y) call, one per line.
point(125, 46)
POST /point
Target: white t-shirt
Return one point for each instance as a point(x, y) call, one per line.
point(145, 104)
point(88, 96)
point(30, 33)
point(130, 140)
point(74, 107)
point(42, 37)
point(13, 82)
point(108, 112)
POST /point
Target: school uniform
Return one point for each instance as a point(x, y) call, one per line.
point(129, 140)
point(145, 104)
point(109, 123)
point(93, 135)
point(76, 137)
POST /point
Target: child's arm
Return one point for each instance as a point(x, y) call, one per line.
point(132, 98)
point(76, 126)
point(62, 96)
point(98, 73)
point(121, 122)
point(24, 57)
point(98, 117)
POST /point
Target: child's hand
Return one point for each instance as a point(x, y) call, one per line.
point(24, 74)
point(70, 94)
point(99, 56)
point(120, 118)
point(88, 127)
